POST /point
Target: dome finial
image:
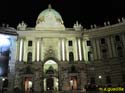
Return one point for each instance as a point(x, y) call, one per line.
point(49, 6)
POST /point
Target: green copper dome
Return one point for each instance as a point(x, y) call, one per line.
point(49, 12)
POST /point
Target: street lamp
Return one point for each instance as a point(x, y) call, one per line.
point(3, 79)
point(100, 77)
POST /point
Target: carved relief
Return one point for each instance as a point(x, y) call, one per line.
point(50, 53)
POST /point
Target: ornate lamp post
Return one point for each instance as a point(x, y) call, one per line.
point(100, 77)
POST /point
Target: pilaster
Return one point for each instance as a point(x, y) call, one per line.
point(98, 49)
point(109, 47)
point(113, 46)
point(94, 49)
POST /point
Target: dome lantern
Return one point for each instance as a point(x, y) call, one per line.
point(49, 6)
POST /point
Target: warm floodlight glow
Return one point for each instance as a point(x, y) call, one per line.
point(30, 84)
point(100, 77)
point(71, 82)
point(50, 62)
point(3, 79)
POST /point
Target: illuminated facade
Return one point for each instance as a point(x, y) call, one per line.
point(52, 57)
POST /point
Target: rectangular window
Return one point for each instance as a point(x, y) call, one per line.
point(120, 51)
point(108, 79)
point(88, 43)
point(123, 77)
point(102, 40)
point(104, 50)
point(89, 56)
point(70, 43)
point(117, 38)
point(30, 43)
point(92, 80)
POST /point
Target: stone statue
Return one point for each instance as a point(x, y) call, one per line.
point(22, 26)
point(77, 26)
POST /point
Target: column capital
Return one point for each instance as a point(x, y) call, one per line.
point(79, 37)
point(21, 38)
point(38, 38)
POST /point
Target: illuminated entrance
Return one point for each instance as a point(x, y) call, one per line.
point(50, 75)
point(73, 82)
point(28, 84)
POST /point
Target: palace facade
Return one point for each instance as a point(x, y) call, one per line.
point(50, 56)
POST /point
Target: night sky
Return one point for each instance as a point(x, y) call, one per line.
point(85, 11)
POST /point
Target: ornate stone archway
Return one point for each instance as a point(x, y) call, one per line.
point(50, 71)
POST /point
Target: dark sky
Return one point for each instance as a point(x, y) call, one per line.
point(85, 11)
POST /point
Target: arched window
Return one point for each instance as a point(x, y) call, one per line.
point(119, 51)
point(103, 41)
point(90, 56)
point(104, 53)
point(71, 57)
point(29, 57)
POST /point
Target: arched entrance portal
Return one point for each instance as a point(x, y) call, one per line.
point(50, 70)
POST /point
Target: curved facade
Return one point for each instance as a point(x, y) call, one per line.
point(68, 59)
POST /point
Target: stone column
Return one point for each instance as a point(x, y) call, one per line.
point(98, 49)
point(21, 50)
point(37, 83)
point(35, 49)
point(123, 40)
point(63, 50)
point(60, 47)
point(17, 49)
point(113, 46)
point(24, 58)
point(94, 49)
point(82, 49)
point(109, 47)
point(79, 49)
point(85, 50)
point(38, 49)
